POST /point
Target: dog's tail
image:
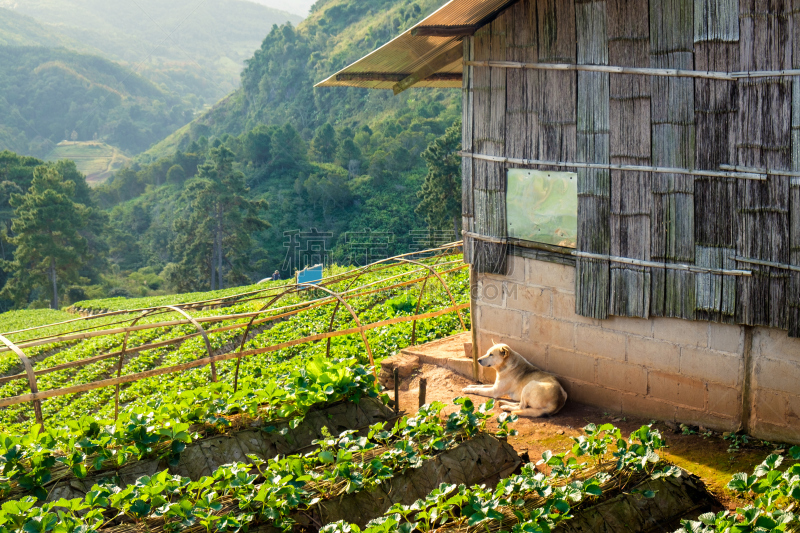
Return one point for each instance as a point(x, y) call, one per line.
point(562, 400)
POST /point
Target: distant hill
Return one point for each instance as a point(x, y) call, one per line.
point(50, 95)
point(298, 7)
point(194, 48)
point(278, 82)
point(97, 160)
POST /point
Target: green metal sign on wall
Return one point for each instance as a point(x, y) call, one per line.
point(542, 206)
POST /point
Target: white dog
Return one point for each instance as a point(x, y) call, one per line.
point(537, 393)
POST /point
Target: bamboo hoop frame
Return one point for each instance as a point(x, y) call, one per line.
point(37, 404)
point(25, 398)
point(446, 288)
point(124, 351)
point(49, 339)
point(355, 317)
point(35, 396)
point(297, 308)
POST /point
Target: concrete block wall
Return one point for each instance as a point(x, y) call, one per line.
point(662, 368)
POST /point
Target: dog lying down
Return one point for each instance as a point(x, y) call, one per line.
point(535, 393)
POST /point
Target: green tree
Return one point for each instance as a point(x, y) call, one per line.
point(440, 195)
point(176, 174)
point(257, 145)
point(323, 145)
point(216, 236)
point(46, 232)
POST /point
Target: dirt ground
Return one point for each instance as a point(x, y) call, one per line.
point(704, 454)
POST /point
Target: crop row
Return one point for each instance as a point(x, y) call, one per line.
point(262, 491)
point(165, 424)
point(537, 499)
point(540, 497)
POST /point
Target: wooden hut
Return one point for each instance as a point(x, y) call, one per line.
point(677, 293)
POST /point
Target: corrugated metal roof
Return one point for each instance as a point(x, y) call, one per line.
point(421, 47)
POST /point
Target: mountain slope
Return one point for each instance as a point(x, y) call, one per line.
point(49, 95)
point(192, 47)
point(278, 82)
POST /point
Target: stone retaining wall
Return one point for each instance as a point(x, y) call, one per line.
point(700, 373)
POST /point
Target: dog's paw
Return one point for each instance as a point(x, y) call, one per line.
point(509, 407)
point(468, 389)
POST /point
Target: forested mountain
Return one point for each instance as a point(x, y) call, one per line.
point(279, 174)
point(334, 160)
point(193, 48)
point(49, 95)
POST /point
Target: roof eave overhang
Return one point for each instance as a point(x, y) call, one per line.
point(430, 54)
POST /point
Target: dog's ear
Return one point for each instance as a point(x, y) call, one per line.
point(504, 351)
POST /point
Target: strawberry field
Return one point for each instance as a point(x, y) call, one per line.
point(258, 409)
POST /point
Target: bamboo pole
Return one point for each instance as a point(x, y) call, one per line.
point(353, 293)
point(446, 288)
point(37, 405)
point(642, 71)
point(161, 344)
point(330, 279)
point(23, 398)
point(633, 168)
point(629, 260)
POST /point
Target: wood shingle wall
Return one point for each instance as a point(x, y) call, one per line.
point(687, 122)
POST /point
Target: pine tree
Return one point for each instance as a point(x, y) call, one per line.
point(46, 232)
point(323, 145)
point(441, 193)
point(216, 235)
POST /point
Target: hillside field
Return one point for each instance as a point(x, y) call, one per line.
point(97, 160)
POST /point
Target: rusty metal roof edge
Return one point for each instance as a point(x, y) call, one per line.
point(332, 78)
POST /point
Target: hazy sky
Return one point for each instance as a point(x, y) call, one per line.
point(298, 7)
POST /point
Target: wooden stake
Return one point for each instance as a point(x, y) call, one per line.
point(423, 390)
point(396, 375)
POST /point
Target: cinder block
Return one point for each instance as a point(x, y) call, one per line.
point(655, 355)
point(778, 374)
point(597, 341)
point(534, 352)
point(595, 395)
point(770, 407)
point(486, 375)
point(710, 365)
point(793, 410)
point(571, 365)
point(503, 322)
point(726, 338)
point(679, 331)
point(725, 401)
point(637, 326)
point(775, 433)
point(460, 365)
point(552, 275)
point(537, 300)
point(490, 292)
point(622, 376)
point(677, 389)
point(775, 344)
point(694, 417)
point(634, 404)
point(564, 308)
point(552, 332)
point(516, 268)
